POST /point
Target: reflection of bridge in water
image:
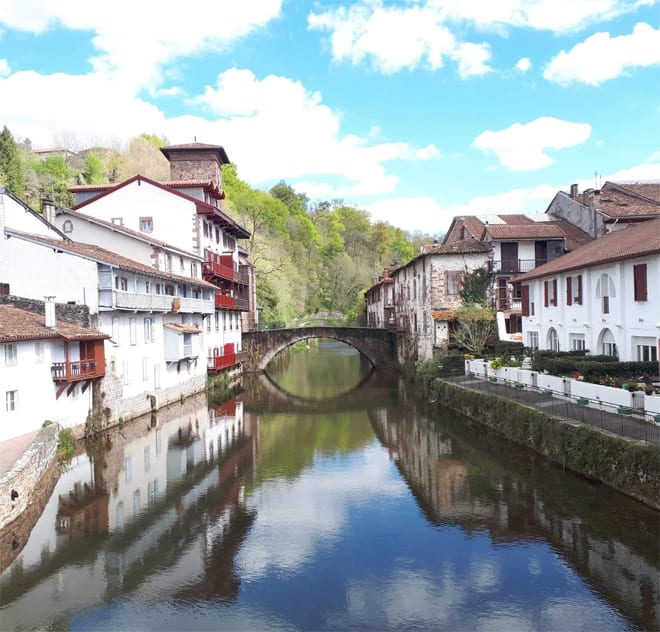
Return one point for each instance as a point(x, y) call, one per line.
point(263, 395)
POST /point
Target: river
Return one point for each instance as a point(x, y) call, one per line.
point(323, 497)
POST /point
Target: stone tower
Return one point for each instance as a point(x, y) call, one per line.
point(196, 162)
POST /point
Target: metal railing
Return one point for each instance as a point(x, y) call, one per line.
point(514, 266)
point(622, 420)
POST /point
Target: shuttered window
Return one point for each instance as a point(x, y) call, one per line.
point(641, 289)
point(569, 290)
point(525, 300)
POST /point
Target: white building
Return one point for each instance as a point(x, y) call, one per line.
point(603, 297)
point(379, 300)
point(154, 318)
point(46, 369)
point(427, 289)
point(186, 213)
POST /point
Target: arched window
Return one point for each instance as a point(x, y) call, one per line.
point(553, 339)
point(67, 227)
point(608, 343)
point(605, 291)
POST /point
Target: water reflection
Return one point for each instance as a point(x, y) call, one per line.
point(278, 512)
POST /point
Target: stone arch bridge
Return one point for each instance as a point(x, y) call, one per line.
point(379, 346)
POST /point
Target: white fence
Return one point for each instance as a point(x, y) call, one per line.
point(584, 393)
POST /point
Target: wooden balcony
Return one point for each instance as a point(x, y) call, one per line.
point(242, 304)
point(76, 371)
point(223, 301)
point(135, 301)
point(216, 269)
point(219, 362)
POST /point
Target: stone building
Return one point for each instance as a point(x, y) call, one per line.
point(427, 289)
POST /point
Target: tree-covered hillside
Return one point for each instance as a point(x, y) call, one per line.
point(309, 257)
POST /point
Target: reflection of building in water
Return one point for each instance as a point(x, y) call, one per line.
point(161, 503)
point(476, 480)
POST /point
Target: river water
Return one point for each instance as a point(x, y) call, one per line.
point(323, 497)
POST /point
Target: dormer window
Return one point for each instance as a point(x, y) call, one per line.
point(67, 227)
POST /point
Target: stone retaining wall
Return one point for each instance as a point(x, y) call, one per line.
point(26, 474)
point(629, 466)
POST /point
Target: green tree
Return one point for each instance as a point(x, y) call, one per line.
point(473, 327)
point(474, 287)
point(55, 177)
point(94, 171)
point(11, 164)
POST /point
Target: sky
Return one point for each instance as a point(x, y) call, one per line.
point(414, 110)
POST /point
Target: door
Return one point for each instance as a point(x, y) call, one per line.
point(509, 252)
point(540, 253)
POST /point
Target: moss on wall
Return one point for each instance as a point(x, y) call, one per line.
point(632, 467)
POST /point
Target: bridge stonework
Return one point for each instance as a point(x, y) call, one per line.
point(379, 346)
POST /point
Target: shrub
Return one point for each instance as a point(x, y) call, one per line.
point(66, 445)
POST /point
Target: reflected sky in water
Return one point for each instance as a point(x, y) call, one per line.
point(359, 513)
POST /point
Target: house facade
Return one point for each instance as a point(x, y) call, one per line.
point(186, 213)
point(518, 244)
point(427, 290)
point(59, 360)
point(603, 297)
point(379, 299)
point(612, 207)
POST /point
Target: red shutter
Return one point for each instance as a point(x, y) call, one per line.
point(569, 290)
point(578, 298)
point(554, 291)
point(545, 293)
point(641, 290)
point(525, 300)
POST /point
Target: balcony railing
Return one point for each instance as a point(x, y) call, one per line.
point(242, 304)
point(76, 370)
point(219, 362)
point(194, 305)
point(222, 301)
point(515, 266)
point(141, 302)
point(215, 269)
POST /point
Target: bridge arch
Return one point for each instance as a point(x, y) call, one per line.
point(377, 345)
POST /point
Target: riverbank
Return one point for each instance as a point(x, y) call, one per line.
point(629, 466)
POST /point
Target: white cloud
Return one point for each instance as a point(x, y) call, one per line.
point(522, 147)
point(423, 32)
point(430, 152)
point(472, 59)
point(412, 214)
point(4, 68)
point(601, 57)
point(524, 64)
point(134, 39)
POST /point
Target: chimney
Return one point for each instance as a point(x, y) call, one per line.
point(574, 191)
point(49, 304)
point(48, 210)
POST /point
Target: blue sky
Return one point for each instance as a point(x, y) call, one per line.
point(416, 110)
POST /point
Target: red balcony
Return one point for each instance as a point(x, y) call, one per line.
point(219, 362)
point(76, 371)
point(214, 268)
point(223, 301)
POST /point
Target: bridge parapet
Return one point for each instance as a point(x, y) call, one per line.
point(379, 346)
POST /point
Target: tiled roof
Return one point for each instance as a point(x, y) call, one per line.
point(617, 202)
point(445, 314)
point(634, 241)
point(650, 190)
point(17, 324)
point(533, 230)
point(465, 246)
point(222, 154)
point(101, 255)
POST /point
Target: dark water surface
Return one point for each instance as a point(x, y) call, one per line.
point(322, 498)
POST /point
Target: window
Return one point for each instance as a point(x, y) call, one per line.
point(168, 263)
point(117, 221)
point(217, 235)
point(169, 290)
point(550, 293)
point(158, 288)
point(608, 344)
point(553, 339)
point(647, 353)
point(182, 263)
point(132, 328)
point(577, 342)
point(11, 401)
point(11, 354)
point(605, 291)
point(217, 321)
point(67, 227)
point(148, 330)
point(115, 329)
point(38, 352)
point(193, 270)
point(147, 287)
point(453, 281)
point(208, 325)
point(574, 290)
point(533, 339)
point(145, 369)
point(641, 289)
point(147, 224)
point(121, 283)
point(147, 458)
point(128, 471)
